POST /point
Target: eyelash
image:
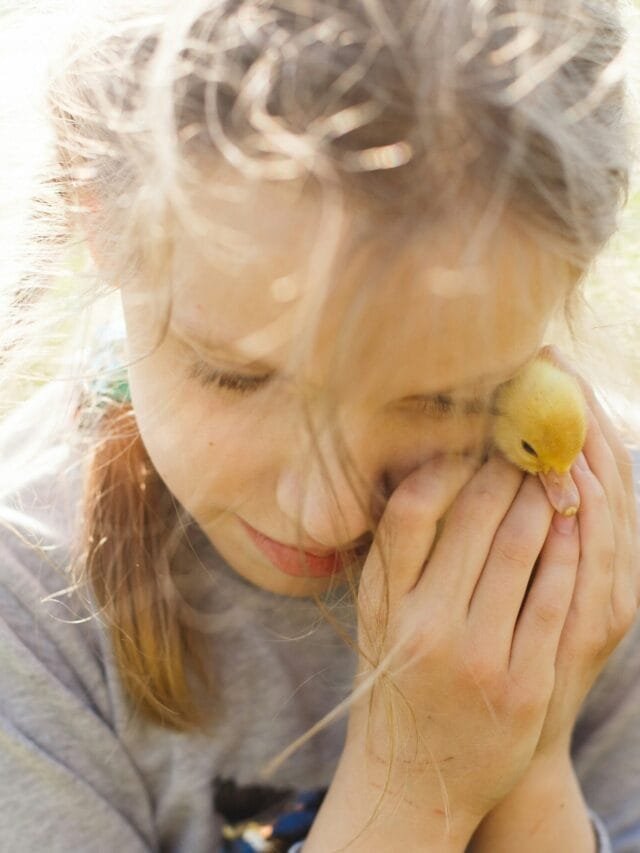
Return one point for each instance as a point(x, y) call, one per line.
point(440, 406)
point(237, 382)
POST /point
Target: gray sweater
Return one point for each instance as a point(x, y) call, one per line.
point(79, 771)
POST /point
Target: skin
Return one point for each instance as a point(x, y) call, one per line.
point(421, 329)
point(250, 455)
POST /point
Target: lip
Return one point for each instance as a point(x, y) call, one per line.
point(297, 563)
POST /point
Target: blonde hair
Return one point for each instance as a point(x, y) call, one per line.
point(405, 110)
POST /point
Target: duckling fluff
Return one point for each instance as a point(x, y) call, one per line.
point(541, 426)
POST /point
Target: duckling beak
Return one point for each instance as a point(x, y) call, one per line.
point(562, 492)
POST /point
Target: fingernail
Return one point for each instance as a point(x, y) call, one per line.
point(564, 524)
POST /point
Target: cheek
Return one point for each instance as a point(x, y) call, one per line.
point(205, 449)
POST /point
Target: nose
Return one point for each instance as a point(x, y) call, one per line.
point(337, 502)
point(332, 505)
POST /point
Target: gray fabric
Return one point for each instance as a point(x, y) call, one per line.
point(603, 842)
point(79, 772)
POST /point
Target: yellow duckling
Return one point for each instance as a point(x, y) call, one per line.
point(541, 426)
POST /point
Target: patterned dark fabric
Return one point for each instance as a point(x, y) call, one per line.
point(261, 818)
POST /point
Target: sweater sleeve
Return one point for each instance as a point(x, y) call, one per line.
point(606, 743)
point(606, 749)
point(66, 781)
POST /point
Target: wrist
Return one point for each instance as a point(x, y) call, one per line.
point(544, 811)
point(366, 808)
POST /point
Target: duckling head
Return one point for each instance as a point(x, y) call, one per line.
point(540, 426)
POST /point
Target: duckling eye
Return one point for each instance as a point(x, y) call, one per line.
point(528, 448)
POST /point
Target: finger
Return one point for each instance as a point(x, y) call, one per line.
point(467, 535)
point(602, 477)
point(599, 426)
point(602, 462)
point(407, 528)
point(598, 580)
point(610, 461)
point(613, 521)
point(501, 588)
point(543, 614)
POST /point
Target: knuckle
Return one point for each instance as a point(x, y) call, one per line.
point(599, 643)
point(599, 497)
point(424, 490)
point(405, 507)
point(607, 558)
point(473, 505)
point(483, 669)
point(514, 549)
point(464, 525)
point(409, 496)
point(603, 638)
point(549, 614)
point(484, 673)
point(527, 698)
point(480, 500)
point(625, 612)
point(426, 640)
point(415, 645)
point(482, 496)
point(528, 704)
point(619, 508)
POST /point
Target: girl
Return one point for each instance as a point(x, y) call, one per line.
point(333, 231)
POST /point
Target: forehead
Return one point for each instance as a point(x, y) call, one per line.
point(403, 309)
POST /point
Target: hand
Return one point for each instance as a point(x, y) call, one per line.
point(607, 593)
point(545, 810)
point(474, 667)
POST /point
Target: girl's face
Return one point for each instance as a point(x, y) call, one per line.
point(219, 406)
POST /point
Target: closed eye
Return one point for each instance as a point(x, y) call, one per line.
point(241, 383)
point(439, 406)
point(443, 406)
